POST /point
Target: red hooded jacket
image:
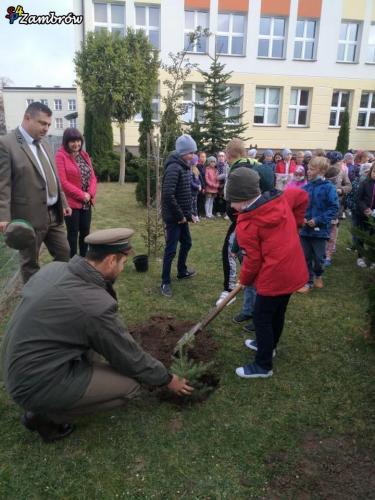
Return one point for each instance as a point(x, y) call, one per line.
point(274, 261)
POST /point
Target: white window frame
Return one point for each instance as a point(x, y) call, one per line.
point(57, 105)
point(29, 101)
point(232, 34)
point(190, 104)
point(305, 39)
point(266, 106)
point(368, 110)
point(369, 45)
point(72, 105)
point(227, 114)
point(147, 28)
point(73, 123)
point(109, 25)
point(194, 47)
point(58, 122)
point(155, 100)
point(338, 109)
point(44, 101)
point(271, 37)
point(299, 107)
point(348, 43)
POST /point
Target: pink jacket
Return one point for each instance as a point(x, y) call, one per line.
point(70, 178)
point(212, 180)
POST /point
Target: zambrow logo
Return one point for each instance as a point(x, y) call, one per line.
point(17, 13)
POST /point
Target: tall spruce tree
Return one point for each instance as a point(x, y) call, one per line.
point(342, 144)
point(221, 122)
point(195, 130)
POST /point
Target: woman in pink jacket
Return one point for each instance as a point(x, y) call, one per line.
point(79, 185)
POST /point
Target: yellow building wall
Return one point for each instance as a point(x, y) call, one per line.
point(373, 11)
point(354, 9)
point(317, 134)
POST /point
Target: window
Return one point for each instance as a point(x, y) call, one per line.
point(230, 36)
point(147, 18)
point(110, 17)
point(155, 104)
point(370, 57)
point(57, 105)
point(192, 96)
point(72, 104)
point(44, 101)
point(59, 123)
point(29, 101)
point(267, 105)
point(348, 42)
point(272, 37)
point(304, 43)
point(366, 115)
point(234, 109)
point(298, 107)
point(193, 19)
point(72, 123)
point(340, 101)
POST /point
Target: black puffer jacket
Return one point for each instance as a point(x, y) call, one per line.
point(176, 190)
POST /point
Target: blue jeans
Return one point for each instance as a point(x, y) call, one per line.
point(175, 233)
point(315, 251)
point(249, 296)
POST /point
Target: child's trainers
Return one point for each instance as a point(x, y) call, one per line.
point(327, 262)
point(252, 370)
point(252, 344)
point(304, 289)
point(361, 262)
point(318, 282)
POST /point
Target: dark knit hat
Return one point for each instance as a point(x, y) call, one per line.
point(19, 234)
point(242, 185)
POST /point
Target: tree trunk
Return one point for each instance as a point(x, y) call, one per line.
point(122, 154)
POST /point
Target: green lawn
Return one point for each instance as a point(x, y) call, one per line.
point(323, 385)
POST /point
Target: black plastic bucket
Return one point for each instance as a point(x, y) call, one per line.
point(141, 263)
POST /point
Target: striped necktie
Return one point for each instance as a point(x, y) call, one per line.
point(47, 168)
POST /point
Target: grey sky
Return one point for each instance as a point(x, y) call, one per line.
point(37, 54)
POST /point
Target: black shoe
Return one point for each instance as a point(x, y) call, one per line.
point(188, 274)
point(48, 430)
point(166, 290)
point(240, 318)
point(249, 328)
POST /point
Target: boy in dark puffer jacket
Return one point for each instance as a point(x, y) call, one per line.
point(176, 204)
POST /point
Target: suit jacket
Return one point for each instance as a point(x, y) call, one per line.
point(22, 187)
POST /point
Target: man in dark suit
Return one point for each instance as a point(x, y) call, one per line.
point(30, 188)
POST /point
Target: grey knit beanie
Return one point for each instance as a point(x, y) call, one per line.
point(268, 152)
point(211, 159)
point(185, 144)
point(285, 152)
point(242, 184)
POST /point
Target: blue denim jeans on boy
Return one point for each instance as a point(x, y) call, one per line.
point(249, 296)
point(175, 233)
point(315, 251)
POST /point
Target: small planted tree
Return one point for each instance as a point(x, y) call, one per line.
point(342, 144)
point(116, 73)
point(222, 119)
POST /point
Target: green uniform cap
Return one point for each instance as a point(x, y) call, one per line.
point(109, 241)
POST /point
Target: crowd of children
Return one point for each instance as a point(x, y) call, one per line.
point(310, 191)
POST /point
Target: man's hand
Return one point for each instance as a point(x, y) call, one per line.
point(3, 226)
point(311, 223)
point(182, 221)
point(87, 197)
point(180, 386)
point(67, 212)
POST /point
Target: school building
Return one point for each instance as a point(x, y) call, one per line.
point(297, 64)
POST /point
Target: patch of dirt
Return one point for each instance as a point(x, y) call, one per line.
point(329, 468)
point(159, 335)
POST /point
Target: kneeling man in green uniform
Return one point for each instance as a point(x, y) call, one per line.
point(68, 316)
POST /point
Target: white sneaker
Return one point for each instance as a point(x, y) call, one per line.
point(372, 265)
point(224, 295)
point(252, 344)
point(361, 263)
point(226, 217)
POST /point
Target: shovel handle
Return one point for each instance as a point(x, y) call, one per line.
point(212, 314)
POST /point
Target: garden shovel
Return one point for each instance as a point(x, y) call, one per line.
point(189, 336)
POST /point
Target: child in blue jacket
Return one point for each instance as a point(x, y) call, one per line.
point(323, 207)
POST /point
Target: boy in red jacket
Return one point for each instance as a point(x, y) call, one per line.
point(273, 258)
